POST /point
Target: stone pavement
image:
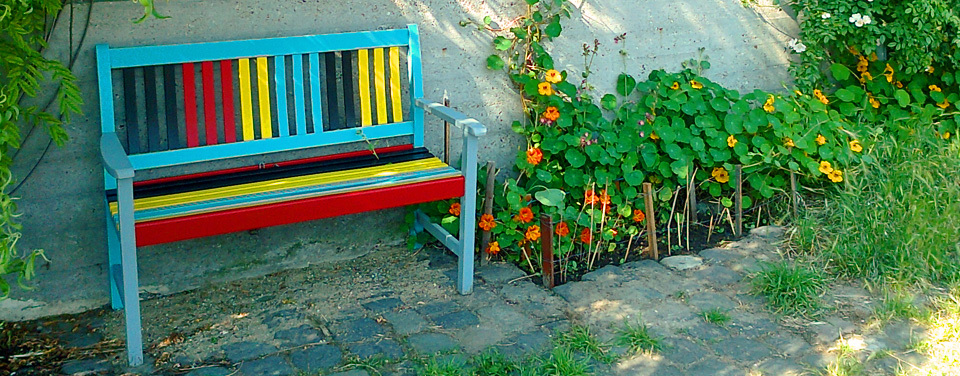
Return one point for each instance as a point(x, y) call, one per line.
point(397, 310)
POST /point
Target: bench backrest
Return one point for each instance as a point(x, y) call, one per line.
point(180, 104)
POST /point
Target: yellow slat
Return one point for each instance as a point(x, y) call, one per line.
point(395, 85)
point(263, 91)
point(363, 71)
point(281, 184)
point(380, 80)
point(246, 105)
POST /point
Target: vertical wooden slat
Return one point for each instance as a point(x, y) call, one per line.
point(380, 83)
point(280, 81)
point(209, 105)
point(651, 221)
point(794, 197)
point(333, 108)
point(130, 110)
point(316, 103)
point(246, 105)
point(263, 92)
point(170, 107)
point(546, 250)
point(190, 105)
point(395, 96)
point(363, 71)
point(153, 114)
point(349, 92)
point(738, 202)
point(226, 98)
point(488, 204)
point(299, 107)
point(416, 86)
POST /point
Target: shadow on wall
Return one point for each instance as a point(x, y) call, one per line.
point(66, 219)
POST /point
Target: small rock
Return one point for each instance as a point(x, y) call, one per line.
point(499, 273)
point(648, 265)
point(316, 357)
point(237, 352)
point(682, 262)
point(768, 231)
point(431, 343)
point(457, 320)
point(717, 275)
point(300, 335)
point(829, 330)
point(606, 273)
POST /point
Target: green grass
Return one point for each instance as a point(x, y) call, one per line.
point(435, 367)
point(579, 338)
point(789, 287)
point(716, 316)
point(638, 339)
point(846, 364)
point(492, 363)
point(896, 305)
point(563, 362)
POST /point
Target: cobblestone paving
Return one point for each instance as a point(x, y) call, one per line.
point(382, 327)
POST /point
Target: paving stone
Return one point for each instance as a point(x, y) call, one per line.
point(523, 344)
point(210, 371)
point(706, 301)
point(760, 328)
point(788, 344)
point(682, 351)
point(770, 232)
point(457, 320)
point(431, 343)
point(85, 367)
point(714, 367)
point(705, 331)
point(780, 367)
point(717, 275)
point(556, 326)
point(269, 366)
point(900, 334)
point(316, 358)
point(479, 338)
point(643, 365)
point(441, 259)
point(387, 348)
point(438, 308)
point(720, 255)
point(274, 319)
point(246, 350)
point(300, 335)
point(829, 330)
point(682, 262)
point(819, 360)
point(742, 349)
point(359, 330)
point(499, 273)
point(383, 305)
point(353, 372)
point(406, 322)
point(606, 273)
point(505, 317)
point(648, 266)
point(574, 292)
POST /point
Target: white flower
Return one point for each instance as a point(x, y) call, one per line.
point(855, 18)
point(860, 20)
point(797, 46)
point(867, 20)
point(825, 15)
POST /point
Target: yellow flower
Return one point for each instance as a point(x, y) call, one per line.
point(835, 176)
point(888, 71)
point(731, 141)
point(696, 85)
point(946, 135)
point(873, 101)
point(866, 76)
point(944, 104)
point(820, 97)
point(820, 139)
point(862, 64)
point(788, 142)
point(552, 76)
point(675, 86)
point(930, 69)
point(768, 106)
point(720, 174)
point(934, 88)
point(798, 93)
point(545, 89)
point(855, 146)
point(899, 84)
point(493, 248)
point(825, 167)
point(653, 136)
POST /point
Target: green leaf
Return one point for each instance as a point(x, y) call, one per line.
point(726, 202)
point(544, 176)
point(575, 157)
point(573, 178)
point(502, 43)
point(494, 62)
point(903, 99)
point(634, 178)
point(844, 95)
point(625, 84)
point(532, 2)
point(609, 102)
point(553, 29)
point(550, 197)
point(840, 72)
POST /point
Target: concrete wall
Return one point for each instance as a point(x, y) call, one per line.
point(62, 200)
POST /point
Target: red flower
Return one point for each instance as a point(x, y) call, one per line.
point(454, 209)
point(493, 248)
point(586, 236)
point(551, 113)
point(533, 233)
point(590, 197)
point(638, 215)
point(563, 229)
point(534, 156)
point(525, 216)
point(487, 222)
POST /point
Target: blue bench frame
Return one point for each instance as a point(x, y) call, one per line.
point(120, 168)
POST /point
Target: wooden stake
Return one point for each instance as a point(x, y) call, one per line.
point(738, 204)
point(692, 196)
point(546, 242)
point(793, 194)
point(651, 220)
point(488, 205)
point(446, 132)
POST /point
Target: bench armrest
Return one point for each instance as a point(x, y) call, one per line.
point(470, 125)
point(115, 159)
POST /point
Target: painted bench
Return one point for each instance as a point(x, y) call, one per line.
point(308, 108)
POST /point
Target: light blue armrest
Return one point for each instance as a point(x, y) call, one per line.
point(115, 159)
point(472, 127)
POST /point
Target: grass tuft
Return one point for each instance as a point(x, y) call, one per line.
point(563, 361)
point(638, 339)
point(435, 367)
point(789, 288)
point(579, 338)
point(896, 305)
point(716, 316)
point(492, 363)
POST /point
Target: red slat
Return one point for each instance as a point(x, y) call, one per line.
point(294, 162)
point(226, 92)
point(225, 222)
point(209, 109)
point(190, 104)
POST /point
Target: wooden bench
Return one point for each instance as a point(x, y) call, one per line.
point(305, 110)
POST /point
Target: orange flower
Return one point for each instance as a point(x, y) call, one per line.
point(590, 197)
point(551, 113)
point(613, 232)
point(493, 248)
point(552, 76)
point(525, 216)
point(586, 236)
point(545, 89)
point(454, 209)
point(487, 222)
point(534, 156)
point(930, 69)
point(820, 97)
point(533, 233)
point(562, 229)
point(638, 216)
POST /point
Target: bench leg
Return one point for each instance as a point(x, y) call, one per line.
point(468, 218)
point(113, 253)
point(128, 262)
